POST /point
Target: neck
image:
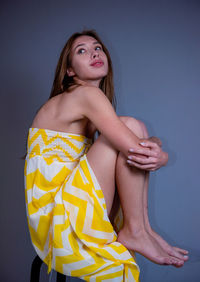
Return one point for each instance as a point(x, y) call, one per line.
point(95, 83)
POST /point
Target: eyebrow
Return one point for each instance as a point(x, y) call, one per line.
point(82, 44)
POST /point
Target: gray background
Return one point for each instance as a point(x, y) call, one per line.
point(155, 51)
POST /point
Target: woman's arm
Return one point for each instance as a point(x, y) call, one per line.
point(94, 105)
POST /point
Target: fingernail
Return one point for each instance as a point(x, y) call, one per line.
point(185, 256)
point(128, 161)
point(131, 150)
point(130, 157)
point(143, 143)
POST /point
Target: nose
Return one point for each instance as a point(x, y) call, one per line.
point(94, 54)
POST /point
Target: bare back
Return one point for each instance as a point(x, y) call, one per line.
point(60, 113)
point(83, 111)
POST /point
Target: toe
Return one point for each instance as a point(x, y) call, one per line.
point(167, 260)
point(182, 251)
point(173, 252)
point(179, 264)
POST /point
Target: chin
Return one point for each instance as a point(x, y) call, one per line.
point(102, 74)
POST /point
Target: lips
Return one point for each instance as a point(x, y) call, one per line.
point(98, 63)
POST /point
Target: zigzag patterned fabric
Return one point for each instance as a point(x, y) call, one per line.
point(67, 217)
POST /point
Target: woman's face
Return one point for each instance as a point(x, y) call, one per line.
point(88, 61)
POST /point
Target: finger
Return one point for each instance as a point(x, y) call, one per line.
point(143, 167)
point(138, 155)
point(149, 144)
point(155, 140)
point(142, 160)
point(145, 152)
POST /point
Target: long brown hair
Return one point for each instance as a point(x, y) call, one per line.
point(62, 81)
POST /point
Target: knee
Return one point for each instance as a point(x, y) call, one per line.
point(137, 126)
point(144, 128)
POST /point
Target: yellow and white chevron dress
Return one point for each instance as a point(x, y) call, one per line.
point(67, 218)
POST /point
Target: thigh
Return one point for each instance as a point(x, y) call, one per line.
point(102, 159)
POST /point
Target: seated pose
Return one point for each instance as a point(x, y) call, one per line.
point(86, 199)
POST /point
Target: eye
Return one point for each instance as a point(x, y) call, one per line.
point(81, 51)
point(98, 48)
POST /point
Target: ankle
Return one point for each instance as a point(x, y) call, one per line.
point(134, 229)
point(147, 225)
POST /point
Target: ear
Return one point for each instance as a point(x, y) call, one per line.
point(70, 72)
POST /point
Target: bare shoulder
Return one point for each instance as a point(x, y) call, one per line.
point(75, 104)
point(83, 92)
point(91, 96)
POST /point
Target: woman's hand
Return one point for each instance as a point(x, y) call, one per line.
point(156, 159)
point(155, 140)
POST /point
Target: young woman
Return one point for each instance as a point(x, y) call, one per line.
point(74, 183)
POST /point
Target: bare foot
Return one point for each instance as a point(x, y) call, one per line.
point(170, 250)
point(143, 243)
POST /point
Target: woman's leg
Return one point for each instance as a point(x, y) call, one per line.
point(130, 184)
point(173, 251)
point(103, 159)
